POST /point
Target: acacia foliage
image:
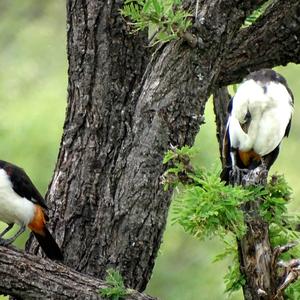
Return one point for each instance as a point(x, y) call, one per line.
point(206, 207)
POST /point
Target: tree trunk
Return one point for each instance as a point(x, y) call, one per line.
point(108, 208)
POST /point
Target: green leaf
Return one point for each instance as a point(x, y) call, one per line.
point(251, 19)
point(157, 7)
point(117, 289)
point(146, 6)
point(205, 207)
point(167, 19)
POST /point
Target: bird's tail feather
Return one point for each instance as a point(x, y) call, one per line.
point(48, 244)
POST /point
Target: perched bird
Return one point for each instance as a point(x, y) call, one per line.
point(21, 203)
point(260, 116)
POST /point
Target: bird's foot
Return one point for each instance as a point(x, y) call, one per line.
point(237, 174)
point(258, 176)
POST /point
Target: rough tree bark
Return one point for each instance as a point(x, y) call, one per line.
point(108, 208)
point(28, 277)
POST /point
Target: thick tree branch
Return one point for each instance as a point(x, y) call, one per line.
point(273, 40)
point(26, 276)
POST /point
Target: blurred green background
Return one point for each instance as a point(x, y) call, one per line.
point(33, 85)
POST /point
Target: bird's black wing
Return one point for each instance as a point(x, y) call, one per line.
point(22, 184)
point(270, 158)
point(288, 128)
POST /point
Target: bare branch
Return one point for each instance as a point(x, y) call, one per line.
point(273, 40)
point(27, 276)
point(221, 98)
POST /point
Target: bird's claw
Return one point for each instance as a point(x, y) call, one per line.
point(257, 176)
point(236, 175)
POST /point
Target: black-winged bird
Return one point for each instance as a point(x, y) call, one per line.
point(21, 203)
point(259, 118)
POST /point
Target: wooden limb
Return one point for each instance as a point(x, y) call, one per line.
point(255, 254)
point(221, 98)
point(26, 276)
point(255, 251)
point(274, 39)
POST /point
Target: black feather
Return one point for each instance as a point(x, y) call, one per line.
point(49, 245)
point(22, 184)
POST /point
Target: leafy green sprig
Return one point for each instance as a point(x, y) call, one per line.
point(165, 17)
point(116, 289)
point(252, 18)
point(206, 207)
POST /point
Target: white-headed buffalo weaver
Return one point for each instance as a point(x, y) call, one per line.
point(21, 203)
point(260, 116)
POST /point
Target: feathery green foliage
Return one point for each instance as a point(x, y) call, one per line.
point(206, 207)
point(251, 19)
point(233, 279)
point(117, 289)
point(210, 208)
point(166, 16)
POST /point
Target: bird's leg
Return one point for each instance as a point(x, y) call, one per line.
point(260, 174)
point(236, 174)
point(263, 168)
point(5, 242)
point(257, 176)
point(7, 229)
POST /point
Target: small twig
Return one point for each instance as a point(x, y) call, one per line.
point(197, 9)
point(292, 276)
point(277, 251)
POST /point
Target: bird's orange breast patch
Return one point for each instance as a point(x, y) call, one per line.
point(248, 157)
point(38, 222)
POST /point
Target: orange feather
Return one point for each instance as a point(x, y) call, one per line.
point(248, 157)
point(38, 222)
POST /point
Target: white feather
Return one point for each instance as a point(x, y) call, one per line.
point(13, 208)
point(270, 111)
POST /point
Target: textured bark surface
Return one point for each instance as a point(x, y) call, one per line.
point(255, 253)
point(273, 40)
point(29, 277)
point(107, 206)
